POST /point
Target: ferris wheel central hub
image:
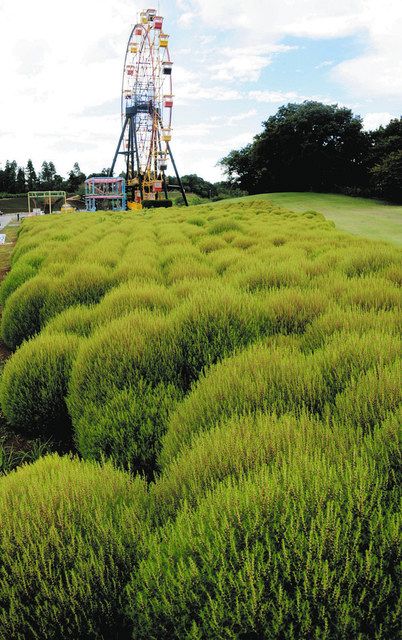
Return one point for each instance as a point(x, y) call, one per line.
point(146, 113)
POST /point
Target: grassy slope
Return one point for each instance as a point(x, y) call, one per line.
point(359, 216)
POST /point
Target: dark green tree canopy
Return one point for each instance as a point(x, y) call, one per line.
point(387, 176)
point(75, 178)
point(308, 146)
point(30, 174)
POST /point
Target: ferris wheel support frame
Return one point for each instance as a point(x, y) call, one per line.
point(133, 149)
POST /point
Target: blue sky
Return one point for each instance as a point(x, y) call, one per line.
point(235, 63)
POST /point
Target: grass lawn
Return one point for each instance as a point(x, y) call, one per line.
point(360, 216)
point(7, 249)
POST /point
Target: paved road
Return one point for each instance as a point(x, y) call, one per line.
point(6, 218)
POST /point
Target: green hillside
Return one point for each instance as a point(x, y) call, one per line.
point(360, 216)
point(225, 381)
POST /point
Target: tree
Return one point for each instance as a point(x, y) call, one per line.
point(20, 181)
point(9, 177)
point(105, 172)
point(58, 182)
point(238, 165)
point(198, 185)
point(308, 146)
point(45, 176)
point(30, 174)
point(387, 177)
point(386, 140)
point(75, 178)
point(52, 172)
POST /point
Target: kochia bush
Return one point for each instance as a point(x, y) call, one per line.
point(70, 533)
point(302, 549)
point(21, 317)
point(34, 386)
point(14, 279)
point(128, 426)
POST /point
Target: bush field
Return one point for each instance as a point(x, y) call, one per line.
point(230, 378)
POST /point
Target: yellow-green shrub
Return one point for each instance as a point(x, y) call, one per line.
point(70, 533)
point(349, 319)
point(292, 309)
point(133, 295)
point(235, 447)
point(128, 426)
point(34, 385)
point(79, 320)
point(212, 324)
point(369, 398)
point(271, 378)
point(369, 258)
point(123, 385)
point(137, 346)
point(82, 284)
point(347, 355)
point(14, 279)
point(304, 549)
point(21, 317)
point(372, 292)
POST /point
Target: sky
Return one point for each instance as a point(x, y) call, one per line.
point(235, 63)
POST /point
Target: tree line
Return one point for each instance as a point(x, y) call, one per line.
point(15, 179)
point(20, 180)
point(317, 147)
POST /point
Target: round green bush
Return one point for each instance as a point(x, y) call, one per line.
point(214, 323)
point(79, 320)
point(83, 284)
point(353, 319)
point(29, 253)
point(304, 549)
point(123, 386)
point(21, 317)
point(292, 309)
point(127, 427)
point(234, 448)
point(139, 346)
point(347, 355)
point(368, 399)
point(70, 532)
point(261, 378)
point(14, 279)
point(34, 385)
point(135, 294)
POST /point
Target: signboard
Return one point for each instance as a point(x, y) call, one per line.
point(2, 238)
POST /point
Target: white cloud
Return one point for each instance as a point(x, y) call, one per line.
point(241, 116)
point(273, 97)
point(310, 18)
point(376, 73)
point(58, 69)
point(280, 97)
point(186, 19)
point(325, 63)
point(372, 121)
point(245, 63)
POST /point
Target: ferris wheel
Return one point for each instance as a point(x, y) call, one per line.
point(146, 113)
